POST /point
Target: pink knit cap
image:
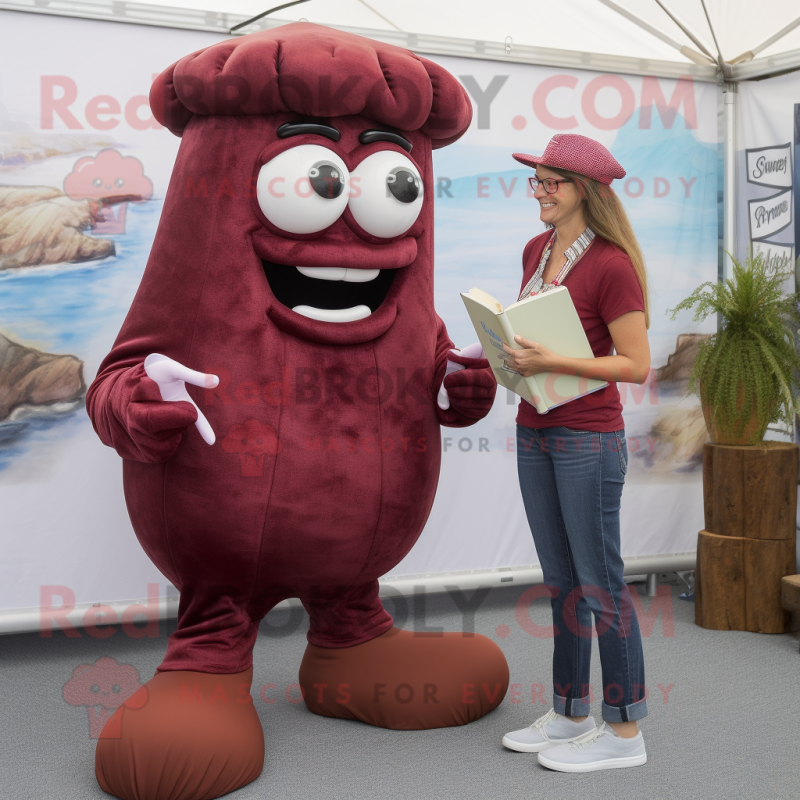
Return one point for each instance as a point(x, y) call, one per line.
point(577, 154)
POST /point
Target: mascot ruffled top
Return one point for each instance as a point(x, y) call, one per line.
point(293, 260)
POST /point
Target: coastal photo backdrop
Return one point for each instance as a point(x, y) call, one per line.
point(83, 172)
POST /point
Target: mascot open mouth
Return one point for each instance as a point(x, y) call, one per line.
point(329, 294)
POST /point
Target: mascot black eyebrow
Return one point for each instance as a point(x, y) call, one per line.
point(293, 260)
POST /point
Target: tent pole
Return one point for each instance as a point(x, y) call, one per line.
point(378, 14)
point(692, 55)
point(726, 69)
point(749, 55)
point(730, 93)
point(695, 40)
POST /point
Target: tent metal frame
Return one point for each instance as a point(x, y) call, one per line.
point(37, 619)
point(222, 22)
point(705, 66)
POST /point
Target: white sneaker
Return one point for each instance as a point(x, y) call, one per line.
point(601, 749)
point(548, 731)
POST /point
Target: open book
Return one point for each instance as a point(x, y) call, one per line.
point(550, 319)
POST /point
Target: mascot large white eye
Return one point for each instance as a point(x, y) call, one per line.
point(386, 194)
point(303, 189)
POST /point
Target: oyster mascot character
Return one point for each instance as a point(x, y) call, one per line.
point(294, 262)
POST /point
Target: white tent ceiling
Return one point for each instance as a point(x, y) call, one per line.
point(587, 25)
point(582, 26)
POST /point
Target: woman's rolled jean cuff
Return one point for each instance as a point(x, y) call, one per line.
point(571, 706)
point(629, 713)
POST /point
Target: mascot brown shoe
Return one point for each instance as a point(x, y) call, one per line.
point(183, 736)
point(406, 680)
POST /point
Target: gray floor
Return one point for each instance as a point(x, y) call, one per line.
point(729, 729)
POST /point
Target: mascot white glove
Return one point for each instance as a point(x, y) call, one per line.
point(172, 378)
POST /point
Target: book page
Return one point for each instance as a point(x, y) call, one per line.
point(532, 298)
point(485, 299)
point(493, 329)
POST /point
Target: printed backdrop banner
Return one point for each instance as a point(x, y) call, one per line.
point(73, 131)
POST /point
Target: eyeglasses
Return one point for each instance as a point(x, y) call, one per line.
point(550, 184)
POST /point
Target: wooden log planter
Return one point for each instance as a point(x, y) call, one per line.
point(748, 545)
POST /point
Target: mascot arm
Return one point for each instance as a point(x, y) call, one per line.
point(465, 384)
point(129, 414)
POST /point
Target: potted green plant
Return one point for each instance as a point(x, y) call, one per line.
point(747, 373)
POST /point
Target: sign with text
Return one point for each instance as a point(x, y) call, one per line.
point(770, 166)
point(770, 215)
point(777, 257)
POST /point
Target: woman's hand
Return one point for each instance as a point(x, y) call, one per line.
point(532, 358)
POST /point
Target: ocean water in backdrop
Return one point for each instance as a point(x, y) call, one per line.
point(483, 218)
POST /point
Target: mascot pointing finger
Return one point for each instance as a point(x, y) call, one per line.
point(276, 394)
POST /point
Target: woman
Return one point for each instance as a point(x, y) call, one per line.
point(572, 461)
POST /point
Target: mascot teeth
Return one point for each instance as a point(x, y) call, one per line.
point(339, 274)
point(333, 314)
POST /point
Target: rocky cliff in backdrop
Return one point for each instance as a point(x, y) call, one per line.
point(680, 429)
point(41, 225)
point(21, 145)
point(675, 373)
point(31, 378)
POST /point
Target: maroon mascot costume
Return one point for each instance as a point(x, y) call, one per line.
point(293, 260)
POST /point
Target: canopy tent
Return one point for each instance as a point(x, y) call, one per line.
point(681, 32)
point(581, 37)
point(725, 41)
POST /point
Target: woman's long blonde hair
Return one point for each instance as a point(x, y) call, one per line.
point(607, 218)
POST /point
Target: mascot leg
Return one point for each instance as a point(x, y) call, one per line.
point(191, 732)
point(396, 679)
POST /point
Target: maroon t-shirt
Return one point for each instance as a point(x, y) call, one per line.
point(603, 286)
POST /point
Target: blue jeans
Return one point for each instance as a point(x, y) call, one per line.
point(571, 483)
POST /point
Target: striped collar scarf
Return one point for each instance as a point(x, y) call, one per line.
point(536, 285)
